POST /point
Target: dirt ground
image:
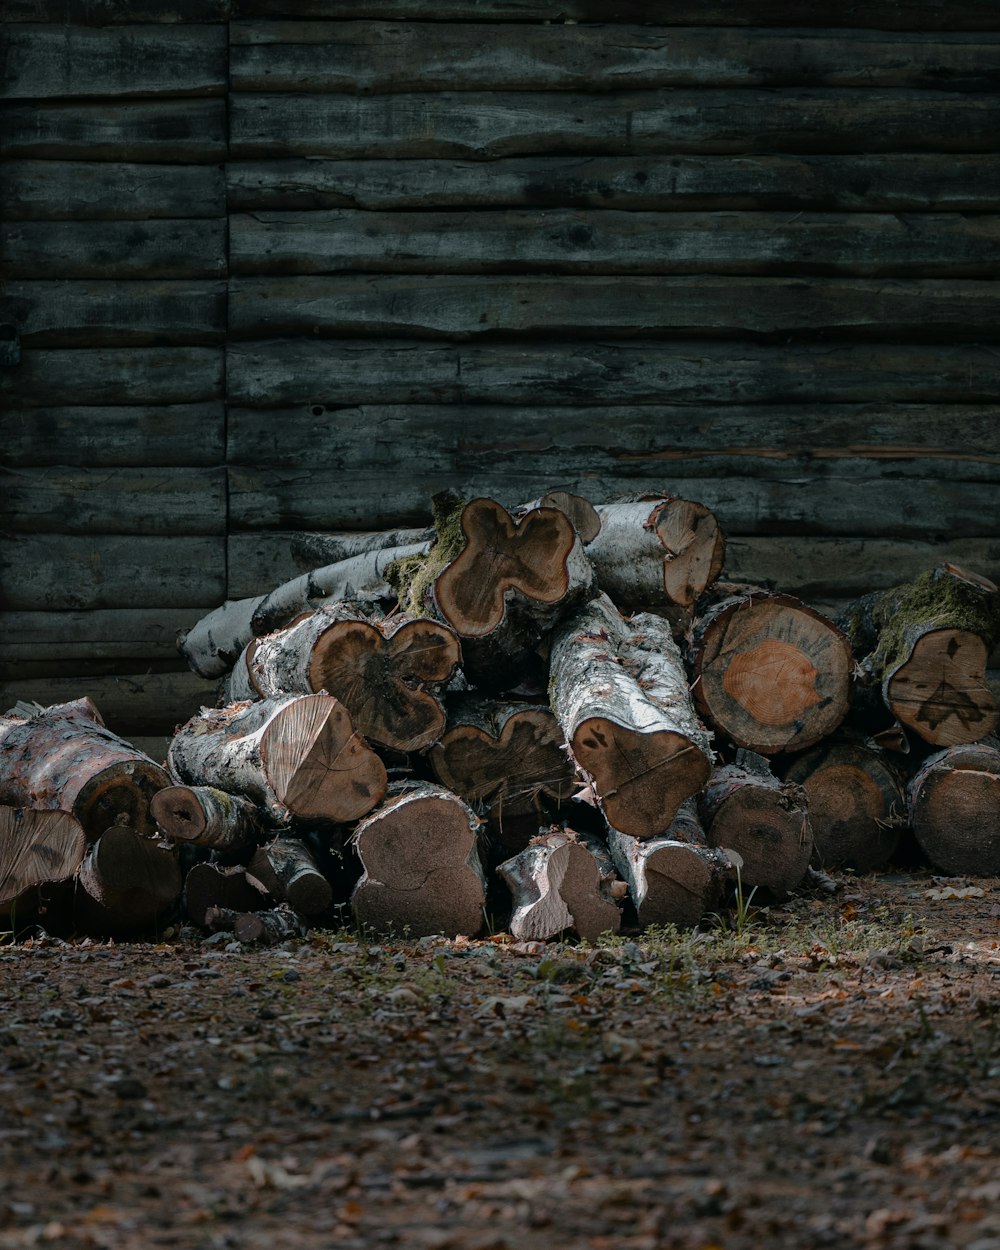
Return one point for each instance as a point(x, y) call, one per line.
point(828, 1074)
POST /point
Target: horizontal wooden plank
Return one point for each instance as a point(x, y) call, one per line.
point(173, 132)
point(887, 182)
point(103, 190)
point(50, 61)
point(487, 125)
point(97, 313)
point(106, 12)
point(575, 241)
point(114, 249)
point(116, 501)
point(111, 634)
point(441, 306)
point(62, 572)
point(161, 434)
point(321, 374)
point(104, 376)
point(371, 56)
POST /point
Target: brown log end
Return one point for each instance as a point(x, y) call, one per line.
point(585, 517)
point(37, 846)
point(178, 814)
point(771, 835)
point(940, 690)
point(955, 811)
point(120, 794)
point(126, 882)
point(682, 884)
point(556, 889)
point(694, 546)
point(211, 885)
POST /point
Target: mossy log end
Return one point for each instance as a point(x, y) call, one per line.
point(619, 691)
point(770, 673)
point(926, 644)
point(65, 757)
point(422, 871)
point(297, 756)
point(954, 807)
point(36, 846)
point(204, 816)
point(556, 885)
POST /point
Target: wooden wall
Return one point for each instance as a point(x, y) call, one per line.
point(294, 265)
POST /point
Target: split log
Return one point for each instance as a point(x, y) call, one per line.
point(208, 886)
point(506, 759)
point(65, 757)
point(267, 927)
point(556, 885)
point(212, 645)
point(620, 694)
point(289, 873)
point(204, 816)
point(657, 553)
point(765, 821)
point(675, 878)
point(954, 807)
point(770, 673)
point(36, 846)
point(387, 672)
point(926, 645)
point(296, 756)
point(499, 583)
point(126, 883)
point(855, 800)
point(422, 872)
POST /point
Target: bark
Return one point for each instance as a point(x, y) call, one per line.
point(290, 874)
point(65, 757)
point(126, 883)
point(312, 551)
point(765, 822)
point(296, 756)
point(657, 553)
point(856, 806)
point(770, 673)
point(619, 692)
point(266, 927)
point(204, 816)
point(584, 516)
point(926, 644)
point(422, 871)
point(676, 878)
point(388, 672)
point(954, 807)
point(36, 846)
point(556, 885)
point(207, 886)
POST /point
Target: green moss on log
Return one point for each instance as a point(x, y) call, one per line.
point(413, 577)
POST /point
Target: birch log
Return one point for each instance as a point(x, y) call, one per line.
point(36, 846)
point(204, 816)
point(584, 516)
point(556, 885)
point(422, 871)
point(954, 807)
point(619, 692)
point(65, 757)
point(297, 756)
point(289, 873)
point(266, 927)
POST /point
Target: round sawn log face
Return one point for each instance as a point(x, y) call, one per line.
point(954, 805)
point(940, 692)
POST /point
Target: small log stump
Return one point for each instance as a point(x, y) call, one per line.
point(556, 885)
point(954, 806)
point(204, 816)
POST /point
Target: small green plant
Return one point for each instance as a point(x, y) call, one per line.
point(745, 914)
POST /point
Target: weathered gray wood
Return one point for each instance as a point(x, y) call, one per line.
point(134, 375)
point(114, 249)
point(439, 306)
point(320, 374)
point(102, 12)
point(65, 572)
point(865, 244)
point(373, 56)
point(57, 190)
point(888, 182)
point(95, 313)
point(176, 132)
point(258, 562)
point(169, 434)
point(117, 501)
point(51, 60)
point(100, 634)
point(488, 125)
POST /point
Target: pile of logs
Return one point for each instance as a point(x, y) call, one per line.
point(539, 719)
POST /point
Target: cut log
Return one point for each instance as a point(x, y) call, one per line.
point(926, 645)
point(506, 760)
point(499, 583)
point(266, 927)
point(212, 645)
point(556, 885)
point(619, 692)
point(36, 846)
point(296, 756)
point(207, 886)
point(388, 672)
point(311, 551)
point(765, 821)
point(676, 878)
point(65, 757)
point(770, 673)
point(289, 873)
point(422, 872)
point(855, 800)
point(126, 883)
point(204, 816)
point(954, 807)
point(580, 511)
point(657, 553)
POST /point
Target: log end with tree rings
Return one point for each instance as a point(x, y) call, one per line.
point(770, 673)
point(36, 846)
point(694, 548)
point(556, 885)
point(954, 806)
point(939, 690)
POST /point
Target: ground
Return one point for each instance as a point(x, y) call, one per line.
point(824, 1074)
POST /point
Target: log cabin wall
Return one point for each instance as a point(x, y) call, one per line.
point(293, 265)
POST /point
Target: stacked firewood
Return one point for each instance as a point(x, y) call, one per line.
point(531, 718)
